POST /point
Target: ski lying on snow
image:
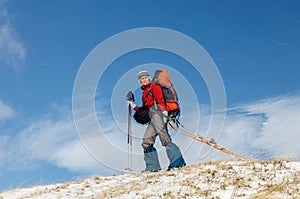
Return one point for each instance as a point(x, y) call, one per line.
point(210, 142)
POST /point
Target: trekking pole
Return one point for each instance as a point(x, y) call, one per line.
point(130, 97)
point(210, 142)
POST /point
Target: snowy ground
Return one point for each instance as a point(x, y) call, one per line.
point(220, 179)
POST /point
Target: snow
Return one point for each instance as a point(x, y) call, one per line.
point(219, 179)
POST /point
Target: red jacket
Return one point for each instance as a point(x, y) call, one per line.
point(157, 93)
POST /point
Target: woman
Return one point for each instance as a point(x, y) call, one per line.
point(153, 99)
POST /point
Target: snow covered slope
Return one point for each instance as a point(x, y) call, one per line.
point(219, 179)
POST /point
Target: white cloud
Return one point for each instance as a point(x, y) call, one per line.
point(12, 50)
point(271, 124)
point(74, 157)
point(48, 140)
point(279, 132)
point(57, 142)
point(265, 128)
point(262, 129)
point(6, 112)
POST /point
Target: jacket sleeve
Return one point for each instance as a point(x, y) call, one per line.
point(158, 95)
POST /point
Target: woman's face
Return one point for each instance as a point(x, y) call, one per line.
point(144, 80)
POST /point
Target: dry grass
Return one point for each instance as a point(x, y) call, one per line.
point(255, 179)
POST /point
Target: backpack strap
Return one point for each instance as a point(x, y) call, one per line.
point(150, 93)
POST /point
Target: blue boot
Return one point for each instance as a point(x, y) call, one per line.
point(151, 159)
point(175, 156)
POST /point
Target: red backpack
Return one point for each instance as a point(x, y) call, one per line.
point(162, 78)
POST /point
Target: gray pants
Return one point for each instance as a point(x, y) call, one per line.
point(155, 128)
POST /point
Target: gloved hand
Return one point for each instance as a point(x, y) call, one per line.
point(165, 116)
point(132, 105)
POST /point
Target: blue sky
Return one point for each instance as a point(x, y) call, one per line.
point(254, 44)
